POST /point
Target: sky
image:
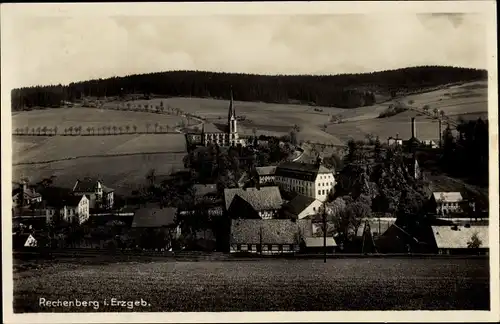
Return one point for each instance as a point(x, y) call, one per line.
point(53, 50)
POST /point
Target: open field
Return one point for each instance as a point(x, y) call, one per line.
point(71, 155)
point(123, 173)
point(90, 117)
point(265, 285)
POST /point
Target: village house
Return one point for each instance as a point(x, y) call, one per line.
point(275, 236)
point(394, 140)
point(301, 207)
point(262, 202)
point(99, 195)
point(71, 209)
point(266, 175)
point(154, 227)
point(23, 240)
point(454, 239)
point(206, 200)
point(446, 203)
point(309, 179)
point(23, 196)
point(317, 245)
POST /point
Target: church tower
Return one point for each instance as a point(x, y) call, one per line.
point(232, 122)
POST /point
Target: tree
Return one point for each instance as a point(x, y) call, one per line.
point(135, 128)
point(156, 127)
point(120, 129)
point(38, 130)
point(127, 127)
point(88, 130)
point(435, 111)
point(293, 137)
point(44, 130)
point(70, 130)
point(475, 242)
point(147, 127)
point(114, 129)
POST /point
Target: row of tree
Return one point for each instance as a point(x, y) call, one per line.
point(345, 90)
point(101, 130)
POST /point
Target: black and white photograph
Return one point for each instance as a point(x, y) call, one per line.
point(243, 158)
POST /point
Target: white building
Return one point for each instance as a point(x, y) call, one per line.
point(447, 202)
point(302, 206)
point(98, 194)
point(74, 209)
point(309, 179)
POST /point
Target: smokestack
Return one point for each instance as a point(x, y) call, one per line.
point(413, 129)
point(440, 133)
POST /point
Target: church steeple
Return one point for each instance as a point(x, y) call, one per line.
point(231, 112)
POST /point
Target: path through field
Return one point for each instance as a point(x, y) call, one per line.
point(264, 285)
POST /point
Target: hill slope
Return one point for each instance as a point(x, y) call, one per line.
point(343, 91)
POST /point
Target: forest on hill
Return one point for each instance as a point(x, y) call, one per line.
point(342, 91)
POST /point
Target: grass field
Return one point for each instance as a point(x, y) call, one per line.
point(265, 285)
point(87, 154)
point(90, 117)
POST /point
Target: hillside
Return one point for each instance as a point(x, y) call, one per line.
point(342, 91)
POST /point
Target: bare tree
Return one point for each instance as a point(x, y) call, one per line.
point(147, 127)
point(55, 130)
point(44, 130)
point(70, 130)
point(156, 127)
point(38, 130)
point(120, 129)
point(135, 128)
point(88, 130)
point(127, 128)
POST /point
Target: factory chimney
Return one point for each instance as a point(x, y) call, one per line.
point(440, 133)
point(413, 129)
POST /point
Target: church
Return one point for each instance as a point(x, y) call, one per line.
point(222, 135)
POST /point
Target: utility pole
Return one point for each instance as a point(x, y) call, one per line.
point(324, 232)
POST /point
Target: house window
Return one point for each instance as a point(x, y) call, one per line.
point(265, 247)
point(244, 247)
point(275, 248)
point(319, 192)
point(286, 247)
point(254, 247)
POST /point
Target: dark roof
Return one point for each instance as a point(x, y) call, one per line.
point(85, 185)
point(264, 198)
point(73, 200)
point(29, 192)
point(298, 204)
point(266, 171)
point(204, 189)
point(269, 231)
point(301, 171)
point(154, 216)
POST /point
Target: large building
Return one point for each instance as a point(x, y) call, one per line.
point(309, 179)
point(263, 203)
point(99, 195)
point(222, 135)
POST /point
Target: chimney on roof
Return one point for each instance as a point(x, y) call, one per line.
point(413, 127)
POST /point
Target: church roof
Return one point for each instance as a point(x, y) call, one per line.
point(213, 128)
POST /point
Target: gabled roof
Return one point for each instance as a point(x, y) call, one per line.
point(298, 204)
point(269, 231)
point(264, 198)
point(301, 171)
point(319, 241)
point(266, 170)
point(28, 192)
point(447, 196)
point(279, 231)
point(73, 201)
point(88, 184)
point(245, 231)
point(154, 216)
point(450, 237)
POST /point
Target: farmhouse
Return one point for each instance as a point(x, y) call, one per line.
point(154, 227)
point(275, 236)
point(262, 202)
point(266, 175)
point(446, 202)
point(456, 239)
point(309, 179)
point(72, 209)
point(301, 207)
point(24, 196)
point(99, 195)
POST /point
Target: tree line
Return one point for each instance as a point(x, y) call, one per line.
point(343, 90)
